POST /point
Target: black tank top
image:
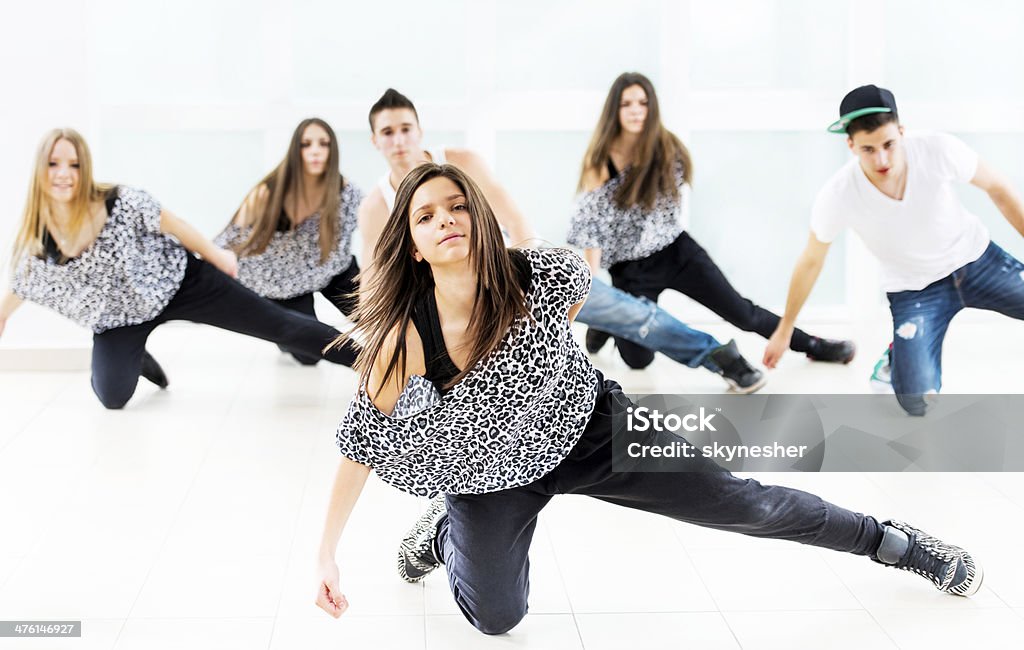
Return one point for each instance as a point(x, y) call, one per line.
point(50, 249)
point(612, 171)
point(440, 367)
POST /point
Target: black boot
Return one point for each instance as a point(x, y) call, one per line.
point(741, 376)
point(949, 568)
point(596, 340)
point(831, 350)
point(152, 371)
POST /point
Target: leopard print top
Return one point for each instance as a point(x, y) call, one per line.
point(511, 420)
point(630, 234)
point(125, 277)
point(290, 265)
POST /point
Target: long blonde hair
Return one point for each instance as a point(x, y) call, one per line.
point(658, 151)
point(37, 217)
point(387, 303)
point(286, 179)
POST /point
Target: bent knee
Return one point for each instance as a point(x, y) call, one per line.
point(498, 622)
point(636, 359)
point(113, 402)
point(113, 395)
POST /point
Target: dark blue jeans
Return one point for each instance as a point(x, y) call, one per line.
point(995, 281)
point(485, 539)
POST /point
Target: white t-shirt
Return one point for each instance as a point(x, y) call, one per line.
point(924, 237)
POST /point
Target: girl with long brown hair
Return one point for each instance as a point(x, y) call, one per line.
point(293, 232)
point(474, 392)
point(112, 259)
point(635, 183)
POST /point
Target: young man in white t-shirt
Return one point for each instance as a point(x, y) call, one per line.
point(396, 133)
point(936, 257)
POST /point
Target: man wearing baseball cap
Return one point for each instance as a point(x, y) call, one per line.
point(936, 257)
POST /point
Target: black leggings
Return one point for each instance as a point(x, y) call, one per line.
point(339, 291)
point(206, 296)
point(485, 538)
point(686, 267)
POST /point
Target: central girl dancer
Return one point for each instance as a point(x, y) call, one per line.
point(293, 232)
point(472, 387)
point(635, 180)
point(396, 132)
point(112, 259)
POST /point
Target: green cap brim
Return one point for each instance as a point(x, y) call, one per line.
point(839, 126)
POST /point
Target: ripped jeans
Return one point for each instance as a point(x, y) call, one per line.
point(994, 281)
point(643, 322)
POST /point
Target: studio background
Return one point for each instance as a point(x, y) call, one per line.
point(194, 101)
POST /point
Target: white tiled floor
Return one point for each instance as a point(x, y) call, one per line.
point(191, 518)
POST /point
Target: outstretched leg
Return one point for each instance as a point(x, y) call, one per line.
point(696, 275)
point(695, 490)
point(304, 305)
point(209, 296)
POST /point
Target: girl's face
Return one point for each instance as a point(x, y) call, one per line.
point(439, 222)
point(63, 172)
point(633, 109)
point(316, 149)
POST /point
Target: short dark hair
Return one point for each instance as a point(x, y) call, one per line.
point(391, 99)
point(871, 122)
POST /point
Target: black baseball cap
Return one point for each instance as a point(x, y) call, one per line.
point(860, 102)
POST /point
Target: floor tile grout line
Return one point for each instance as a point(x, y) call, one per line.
point(174, 519)
point(42, 407)
point(864, 607)
point(711, 595)
point(311, 458)
point(561, 580)
point(71, 481)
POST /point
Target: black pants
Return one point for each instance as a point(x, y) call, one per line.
point(485, 538)
point(687, 268)
point(206, 296)
point(339, 291)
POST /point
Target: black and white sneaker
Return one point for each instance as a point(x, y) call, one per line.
point(742, 377)
point(418, 554)
point(949, 568)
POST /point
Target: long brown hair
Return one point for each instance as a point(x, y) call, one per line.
point(265, 206)
point(658, 151)
point(36, 218)
point(387, 301)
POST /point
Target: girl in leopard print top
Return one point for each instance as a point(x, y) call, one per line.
point(112, 259)
point(293, 232)
point(473, 391)
point(629, 219)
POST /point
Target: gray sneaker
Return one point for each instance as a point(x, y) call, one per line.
point(950, 568)
point(418, 554)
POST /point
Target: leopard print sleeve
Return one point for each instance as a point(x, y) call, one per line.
point(563, 275)
point(146, 209)
point(350, 435)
